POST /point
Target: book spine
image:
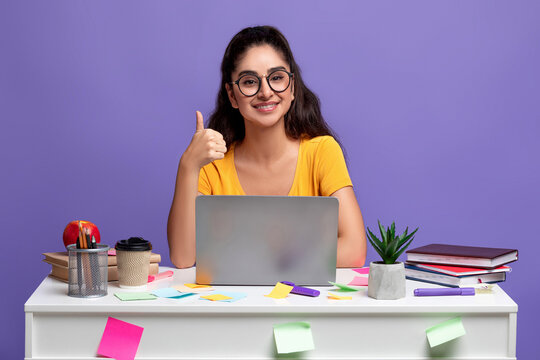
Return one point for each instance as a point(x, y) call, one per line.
point(62, 272)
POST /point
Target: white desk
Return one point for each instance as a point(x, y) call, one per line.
point(62, 327)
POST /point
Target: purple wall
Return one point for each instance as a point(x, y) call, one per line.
point(435, 102)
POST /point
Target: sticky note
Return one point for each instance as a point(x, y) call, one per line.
point(363, 271)
point(216, 297)
point(195, 286)
point(120, 340)
point(337, 297)
point(167, 292)
point(233, 296)
point(359, 281)
point(128, 296)
point(185, 289)
point(343, 287)
point(111, 252)
point(445, 331)
point(293, 337)
point(280, 291)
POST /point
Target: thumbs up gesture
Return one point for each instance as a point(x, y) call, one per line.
point(206, 146)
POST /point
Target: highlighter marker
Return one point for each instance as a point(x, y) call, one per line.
point(299, 290)
point(444, 291)
point(160, 276)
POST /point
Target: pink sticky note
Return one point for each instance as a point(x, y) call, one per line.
point(120, 340)
point(111, 252)
point(359, 281)
point(364, 270)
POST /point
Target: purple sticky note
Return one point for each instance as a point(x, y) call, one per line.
point(120, 340)
point(364, 270)
point(359, 281)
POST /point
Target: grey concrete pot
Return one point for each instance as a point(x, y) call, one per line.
point(386, 281)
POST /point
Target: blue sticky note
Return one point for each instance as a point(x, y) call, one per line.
point(167, 293)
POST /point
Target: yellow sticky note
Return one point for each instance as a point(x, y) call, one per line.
point(195, 286)
point(216, 297)
point(280, 291)
point(337, 297)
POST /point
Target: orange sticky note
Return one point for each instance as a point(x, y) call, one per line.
point(185, 289)
point(196, 286)
point(216, 297)
point(280, 291)
point(337, 297)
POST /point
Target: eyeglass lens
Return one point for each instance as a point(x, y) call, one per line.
point(278, 80)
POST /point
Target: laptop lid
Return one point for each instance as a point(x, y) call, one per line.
point(260, 240)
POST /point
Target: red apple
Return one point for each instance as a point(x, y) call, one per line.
point(71, 232)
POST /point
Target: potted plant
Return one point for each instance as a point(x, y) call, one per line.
point(387, 277)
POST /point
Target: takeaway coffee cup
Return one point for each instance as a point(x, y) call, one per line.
point(133, 259)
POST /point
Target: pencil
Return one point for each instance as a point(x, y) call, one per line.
point(85, 243)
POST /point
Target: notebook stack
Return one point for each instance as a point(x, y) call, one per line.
point(60, 269)
point(458, 265)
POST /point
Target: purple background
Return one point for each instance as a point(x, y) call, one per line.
point(436, 103)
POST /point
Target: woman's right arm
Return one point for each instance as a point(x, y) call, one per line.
point(206, 146)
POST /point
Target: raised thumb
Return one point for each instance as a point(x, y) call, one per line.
point(200, 122)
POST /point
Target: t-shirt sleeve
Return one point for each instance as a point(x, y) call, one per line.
point(332, 169)
point(204, 183)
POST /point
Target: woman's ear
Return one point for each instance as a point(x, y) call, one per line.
point(230, 93)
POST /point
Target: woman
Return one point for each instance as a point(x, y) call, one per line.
point(266, 137)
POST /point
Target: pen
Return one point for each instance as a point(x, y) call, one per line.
point(79, 274)
point(444, 291)
point(93, 261)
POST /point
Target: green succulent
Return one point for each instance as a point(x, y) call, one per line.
point(391, 246)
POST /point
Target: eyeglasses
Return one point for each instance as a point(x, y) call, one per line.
point(250, 84)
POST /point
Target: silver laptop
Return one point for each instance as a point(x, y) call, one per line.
point(260, 240)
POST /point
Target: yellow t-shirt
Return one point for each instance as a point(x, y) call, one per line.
point(320, 171)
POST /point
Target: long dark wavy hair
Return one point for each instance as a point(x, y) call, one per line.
point(304, 118)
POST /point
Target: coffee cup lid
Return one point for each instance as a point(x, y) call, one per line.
point(134, 244)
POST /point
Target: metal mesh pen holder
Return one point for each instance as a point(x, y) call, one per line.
point(88, 271)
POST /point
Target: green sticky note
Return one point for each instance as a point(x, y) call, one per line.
point(445, 331)
point(343, 287)
point(293, 337)
point(128, 296)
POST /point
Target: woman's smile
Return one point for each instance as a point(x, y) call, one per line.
point(266, 106)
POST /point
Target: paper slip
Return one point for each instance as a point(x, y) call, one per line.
point(359, 281)
point(337, 297)
point(343, 287)
point(216, 297)
point(233, 296)
point(185, 289)
point(170, 293)
point(128, 296)
point(280, 291)
point(293, 337)
point(445, 331)
point(197, 286)
point(120, 340)
point(364, 270)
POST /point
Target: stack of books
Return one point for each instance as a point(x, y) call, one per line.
point(458, 265)
point(59, 262)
